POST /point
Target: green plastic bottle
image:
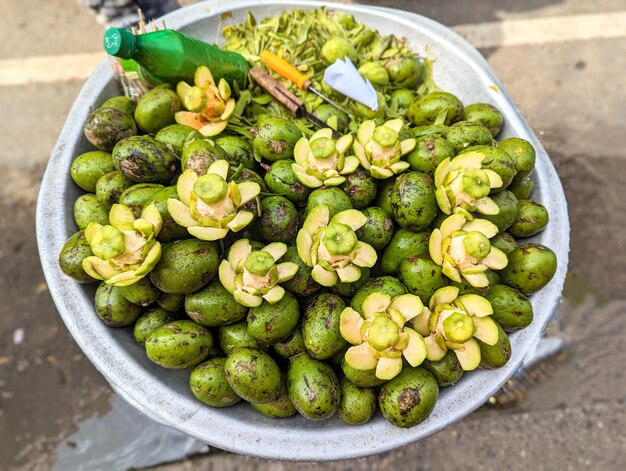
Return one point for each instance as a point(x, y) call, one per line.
point(172, 56)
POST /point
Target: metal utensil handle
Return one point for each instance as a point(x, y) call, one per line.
point(276, 90)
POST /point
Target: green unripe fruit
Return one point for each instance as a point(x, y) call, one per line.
point(375, 72)
point(235, 335)
point(141, 292)
point(105, 127)
point(272, 323)
point(238, 151)
point(467, 133)
point(179, 344)
point(139, 195)
point(336, 119)
point(199, 154)
point(446, 371)
point(87, 169)
point(421, 276)
point(338, 48)
point(320, 326)
point(523, 155)
point(110, 187)
point(280, 407)
point(509, 207)
point(87, 208)
point(149, 321)
point(497, 160)
point(357, 405)
point(278, 221)
point(313, 387)
point(404, 71)
point(253, 375)
point(71, 257)
point(275, 138)
point(124, 104)
point(176, 136)
point(302, 284)
point(424, 110)
point(360, 187)
point(458, 327)
point(413, 201)
point(378, 229)
point(409, 398)
point(185, 266)
point(477, 245)
point(333, 197)
point(171, 302)
point(156, 109)
point(113, 308)
point(339, 239)
point(504, 241)
point(281, 179)
point(144, 160)
point(532, 218)
point(385, 190)
point(384, 284)
point(361, 378)
point(170, 230)
point(429, 152)
point(107, 243)
point(209, 385)
point(530, 268)
point(485, 114)
point(214, 306)
point(403, 244)
point(511, 309)
point(495, 356)
point(291, 346)
point(522, 189)
point(210, 188)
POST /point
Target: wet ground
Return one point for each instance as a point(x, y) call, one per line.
point(571, 92)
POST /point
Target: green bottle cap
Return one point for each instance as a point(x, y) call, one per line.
point(120, 42)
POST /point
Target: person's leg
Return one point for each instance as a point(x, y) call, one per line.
point(123, 13)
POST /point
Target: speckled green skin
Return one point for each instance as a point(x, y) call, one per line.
point(105, 127)
point(144, 160)
point(404, 70)
point(170, 230)
point(485, 114)
point(280, 179)
point(302, 284)
point(413, 201)
point(511, 309)
point(409, 398)
point(532, 218)
point(271, 323)
point(110, 187)
point(208, 384)
point(320, 326)
point(385, 284)
point(383, 200)
point(446, 371)
point(234, 336)
point(430, 130)
point(214, 306)
point(508, 204)
point(360, 187)
point(172, 302)
point(313, 387)
point(429, 152)
point(361, 378)
point(113, 308)
point(498, 161)
point(275, 138)
point(425, 109)
point(71, 257)
point(333, 197)
point(401, 98)
point(253, 374)
point(468, 133)
point(87, 169)
point(88, 209)
point(404, 243)
point(378, 229)
point(247, 175)
point(325, 111)
point(495, 356)
point(122, 103)
point(523, 155)
point(176, 135)
point(291, 346)
point(156, 109)
point(357, 405)
point(531, 267)
point(136, 196)
point(142, 292)
point(421, 276)
point(466, 288)
point(278, 221)
point(199, 154)
point(239, 151)
point(347, 290)
point(185, 266)
point(522, 189)
point(179, 344)
point(279, 408)
point(504, 241)
point(149, 321)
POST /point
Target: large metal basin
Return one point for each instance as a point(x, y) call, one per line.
point(164, 395)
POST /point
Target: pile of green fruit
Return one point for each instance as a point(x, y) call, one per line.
point(299, 272)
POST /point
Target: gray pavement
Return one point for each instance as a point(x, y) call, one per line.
point(572, 95)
